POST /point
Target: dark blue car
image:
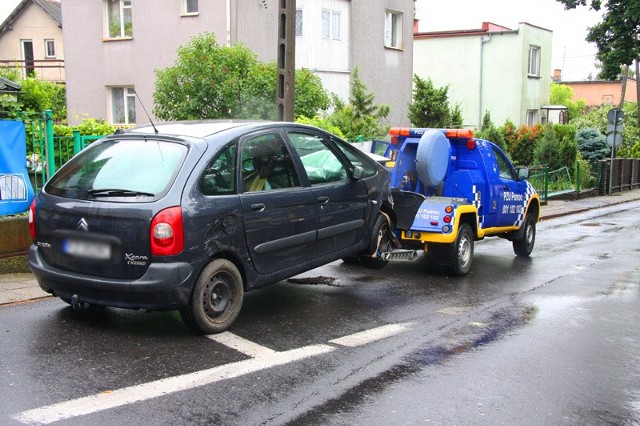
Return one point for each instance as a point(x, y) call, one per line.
point(190, 215)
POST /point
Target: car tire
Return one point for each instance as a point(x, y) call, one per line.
point(462, 251)
point(524, 246)
point(380, 241)
point(216, 298)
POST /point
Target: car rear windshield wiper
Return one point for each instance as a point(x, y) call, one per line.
point(114, 192)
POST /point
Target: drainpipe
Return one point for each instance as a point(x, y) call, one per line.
point(483, 40)
point(228, 23)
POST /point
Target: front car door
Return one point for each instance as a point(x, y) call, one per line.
point(509, 190)
point(280, 217)
point(342, 201)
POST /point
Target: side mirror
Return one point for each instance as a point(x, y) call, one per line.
point(523, 173)
point(357, 172)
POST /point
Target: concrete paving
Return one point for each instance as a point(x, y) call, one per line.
point(23, 287)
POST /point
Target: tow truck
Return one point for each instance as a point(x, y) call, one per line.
point(450, 190)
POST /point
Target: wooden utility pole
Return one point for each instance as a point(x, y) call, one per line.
point(286, 82)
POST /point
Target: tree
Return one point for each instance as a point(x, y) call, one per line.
point(212, 81)
point(206, 81)
point(592, 145)
point(616, 36)
point(561, 94)
point(360, 117)
point(430, 106)
point(490, 132)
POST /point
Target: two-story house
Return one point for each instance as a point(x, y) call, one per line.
point(496, 69)
point(114, 46)
point(31, 40)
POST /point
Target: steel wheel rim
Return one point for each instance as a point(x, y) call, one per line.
point(464, 252)
point(217, 296)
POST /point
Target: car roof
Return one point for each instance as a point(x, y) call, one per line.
point(196, 129)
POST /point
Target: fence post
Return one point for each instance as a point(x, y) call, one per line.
point(578, 177)
point(51, 157)
point(546, 183)
point(77, 142)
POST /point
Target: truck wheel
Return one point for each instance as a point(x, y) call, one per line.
point(380, 242)
point(524, 246)
point(462, 253)
point(216, 298)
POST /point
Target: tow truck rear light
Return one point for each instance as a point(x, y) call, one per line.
point(448, 209)
point(167, 232)
point(447, 219)
point(471, 144)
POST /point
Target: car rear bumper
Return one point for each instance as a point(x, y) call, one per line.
point(165, 286)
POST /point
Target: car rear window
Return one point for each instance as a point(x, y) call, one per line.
point(128, 169)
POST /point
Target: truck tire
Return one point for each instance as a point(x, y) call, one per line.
point(216, 298)
point(462, 251)
point(524, 246)
point(380, 242)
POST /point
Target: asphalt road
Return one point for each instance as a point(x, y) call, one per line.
point(548, 340)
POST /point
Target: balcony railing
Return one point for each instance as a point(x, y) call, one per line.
point(42, 69)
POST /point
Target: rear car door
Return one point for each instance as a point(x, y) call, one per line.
point(279, 215)
point(342, 202)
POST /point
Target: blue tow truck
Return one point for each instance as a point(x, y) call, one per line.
point(450, 190)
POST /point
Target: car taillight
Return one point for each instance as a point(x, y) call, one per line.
point(167, 232)
point(32, 220)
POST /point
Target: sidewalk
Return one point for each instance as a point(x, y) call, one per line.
point(21, 287)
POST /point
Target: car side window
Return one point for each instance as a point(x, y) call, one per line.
point(504, 167)
point(357, 158)
point(220, 175)
point(320, 163)
point(266, 164)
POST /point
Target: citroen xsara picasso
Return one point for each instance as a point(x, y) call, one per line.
point(190, 215)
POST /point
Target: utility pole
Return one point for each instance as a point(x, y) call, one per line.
point(286, 82)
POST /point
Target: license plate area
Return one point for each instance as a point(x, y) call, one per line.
point(86, 249)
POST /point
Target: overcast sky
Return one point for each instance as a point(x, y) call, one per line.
point(571, 53)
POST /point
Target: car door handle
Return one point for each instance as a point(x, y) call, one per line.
point(257, 206)
point(323, 200)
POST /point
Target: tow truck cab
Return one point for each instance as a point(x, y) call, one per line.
point(451, 189)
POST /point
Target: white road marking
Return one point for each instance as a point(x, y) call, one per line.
point(245, 346)
point(145, 391)
point(372, 335)
point(263, 358)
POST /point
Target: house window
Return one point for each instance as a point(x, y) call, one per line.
point(123, 105)
point(118, 19)
point(50, 48)
point(534, 61)
point(190, 7)
point(532, 117)
point(393, 29)
point(298, 22)
point(331, 24)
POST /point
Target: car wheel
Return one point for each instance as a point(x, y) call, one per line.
point(462, 253)
point(216, 298)
point(380, 242)
point(524, 246)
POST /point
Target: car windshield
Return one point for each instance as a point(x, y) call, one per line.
point(136, 169)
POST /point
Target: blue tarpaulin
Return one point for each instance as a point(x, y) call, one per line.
point(16, 191)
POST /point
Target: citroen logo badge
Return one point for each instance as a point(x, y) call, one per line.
point(83, 225)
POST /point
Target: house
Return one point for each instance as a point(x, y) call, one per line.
point(493, 68)
point(602, 92)
point(31, 40)
point(114, 46)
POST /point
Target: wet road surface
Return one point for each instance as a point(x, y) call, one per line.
point(548, 340)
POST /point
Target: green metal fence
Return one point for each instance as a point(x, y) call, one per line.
point(46, 152)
